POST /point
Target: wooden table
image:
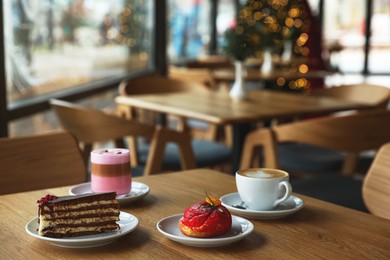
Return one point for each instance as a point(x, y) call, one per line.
point(255, 75)
point(319, 230)
point(220, 109)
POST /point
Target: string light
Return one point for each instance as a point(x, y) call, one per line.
point(268, 24)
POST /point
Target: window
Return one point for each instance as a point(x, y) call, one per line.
point(226, 17)
point(57, 45)
point(189, 29)
point(72, 49)
point(344, 35)
point(379, 56)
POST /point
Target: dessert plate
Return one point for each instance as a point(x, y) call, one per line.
point(138, 191)
point(169, 227)
point(290, 206)
point(127, 223)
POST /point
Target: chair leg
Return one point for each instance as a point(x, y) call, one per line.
point(350, 163)
point(86, 150)
point(120, 143)
point(133, 147)
point(157, 146)
point(260, 138)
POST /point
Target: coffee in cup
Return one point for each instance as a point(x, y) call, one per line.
point(263, 188)
point(110, 171)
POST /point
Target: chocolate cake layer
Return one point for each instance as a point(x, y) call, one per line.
point(78, 215)
point(109, 170)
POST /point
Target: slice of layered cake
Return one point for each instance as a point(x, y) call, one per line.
point(80, 215)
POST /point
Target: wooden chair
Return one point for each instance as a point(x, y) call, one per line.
point(377, 97)
point(92, 126)
point(372, 194)
point(210, 62)
point(373, 95)
point(153, 83)
point(39, 162)
point(201, 129)
point(350, 134)
point(376, 186)
point(208, 152)
point(200, 75)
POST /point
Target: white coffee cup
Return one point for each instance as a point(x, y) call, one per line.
point(263, 188)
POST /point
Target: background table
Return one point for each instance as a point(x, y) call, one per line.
point(255, 75)
point(220, 109)
point(319, 230)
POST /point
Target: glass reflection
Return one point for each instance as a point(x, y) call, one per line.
point(53, 45)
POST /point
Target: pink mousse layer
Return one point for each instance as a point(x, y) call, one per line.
point(119, 184)
point(110, 156)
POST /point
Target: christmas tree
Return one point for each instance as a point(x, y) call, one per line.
point(267, 25)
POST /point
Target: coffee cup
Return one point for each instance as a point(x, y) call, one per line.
point(263, 188)
point(110, 171)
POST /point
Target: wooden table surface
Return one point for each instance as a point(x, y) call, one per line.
point(319, 230)
point(255, 75)
point(219, 108)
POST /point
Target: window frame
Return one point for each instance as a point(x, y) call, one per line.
point(20, 109)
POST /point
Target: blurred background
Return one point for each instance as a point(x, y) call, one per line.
point(81, 49)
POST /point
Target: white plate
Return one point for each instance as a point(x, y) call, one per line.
point(138, 191)
point(169, 227)
point(127, 224)
point(285, 208)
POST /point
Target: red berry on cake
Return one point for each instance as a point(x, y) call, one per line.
point(206, 219)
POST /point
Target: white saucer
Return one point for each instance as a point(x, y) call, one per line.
point(138, 191)
point(169, 227)
point(127, 224)
point(285, 208)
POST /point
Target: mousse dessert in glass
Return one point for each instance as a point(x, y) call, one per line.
point(110, 171)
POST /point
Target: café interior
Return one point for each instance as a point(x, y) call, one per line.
point(198, 90)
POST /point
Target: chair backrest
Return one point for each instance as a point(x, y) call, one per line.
point(352, 134)
point(152, 84)
point(156, 83)
point(201, 75)
point(376, 185)
point(90, 126)
point(375, 96)
point(40, 161)
point(210, 62)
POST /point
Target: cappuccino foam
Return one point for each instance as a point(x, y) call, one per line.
point(263, 173)
point(110, 156)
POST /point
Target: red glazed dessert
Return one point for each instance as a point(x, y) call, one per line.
point(206, 219)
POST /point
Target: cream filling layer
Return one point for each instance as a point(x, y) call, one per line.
point(86, 222)
point(66, 230)
point(69, 214)
point(73, 215)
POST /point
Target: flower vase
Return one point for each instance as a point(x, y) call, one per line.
point(287, 51)
point(238, 90)
point(267, 65)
